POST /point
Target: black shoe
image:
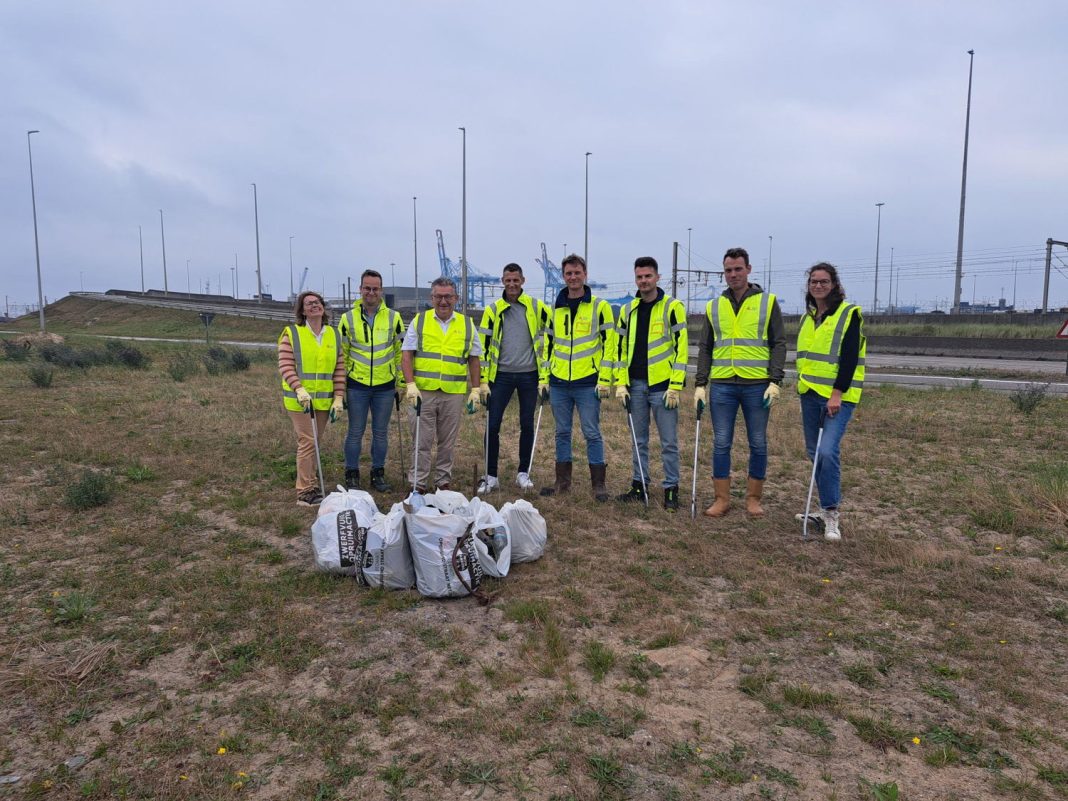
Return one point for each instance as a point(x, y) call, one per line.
point(378, 480)
point(310, 498)
point(352, 479)
point(671, 499)
point(635, 493)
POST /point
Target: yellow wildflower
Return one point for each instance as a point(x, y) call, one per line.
point(826, 581)
point(915, 740)
point(183, 778)
point(222, 750)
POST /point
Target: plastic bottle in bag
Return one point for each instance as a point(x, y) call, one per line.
point(500, 540)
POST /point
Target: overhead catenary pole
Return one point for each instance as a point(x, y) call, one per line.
point(963, 187)
point(689, 280)
point(36, 241)
point(674, 269)
point(586, 227)
point(878, 231)
point(891, 306)
point(768, 287)
point(259, 275)
point(463, 223)
point(163, 245)
point(290, 268)
point(141, 247)
point(1049, 263)
point(237, 280)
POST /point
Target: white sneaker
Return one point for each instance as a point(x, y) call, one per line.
point(830, 522)
point(524, 482)
point(486, 484)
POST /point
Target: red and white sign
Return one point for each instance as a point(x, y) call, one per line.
point(1063, 333)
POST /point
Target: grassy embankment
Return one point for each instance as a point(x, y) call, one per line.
point(177, 636)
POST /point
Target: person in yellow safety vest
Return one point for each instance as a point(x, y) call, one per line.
point(742, 351)
point(439, 357)
point(371, 335)
point(582, 352)
point(831, 349)
point(650, 373)
point(313, 382)
point(515, 360)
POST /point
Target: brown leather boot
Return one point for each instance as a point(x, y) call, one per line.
point(563, 481)
point(753, 492)
point(597, 479)
point(722, 504)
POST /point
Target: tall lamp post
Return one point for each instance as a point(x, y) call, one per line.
point(770, 240)
point(463, 226)
point(586, 229)
point(259, 276)
point(36, 243)
point(963, 186)
point(163, 245)
point(141, 247)
point(415, 252)
point(878, 231)
point(290, 268)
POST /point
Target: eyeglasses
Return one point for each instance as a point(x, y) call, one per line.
point(442, 298)
point(820, 282)
point(312, 302)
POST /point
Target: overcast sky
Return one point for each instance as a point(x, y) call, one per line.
point(740, 121)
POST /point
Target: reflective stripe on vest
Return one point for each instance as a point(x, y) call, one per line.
point(371, 351)
point(493, 328)
point(741, 340)
point(578, 349)
point(315, 365)
point(440, 360)
point(818, 351)
point(667, 359)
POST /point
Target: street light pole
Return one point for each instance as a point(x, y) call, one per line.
point(36, 241)
point(259, 275)
point(463, 229)
point(237, 280)
point(963, 186)
point(415, 252)
point(393, 275)
point(768, 287)
point(878, 231)
point(290, 268)
point(586, 236)
point(163, 244)
point(141, 247)
point(187, 288)
point(891, 307)
point(689, 278)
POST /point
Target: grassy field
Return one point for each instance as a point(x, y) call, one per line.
point(166, 637)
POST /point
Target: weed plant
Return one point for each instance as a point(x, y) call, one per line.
point(1029, 398)
point(40, 375)
point(13, 352)
point(91, 490)
point(182, 365)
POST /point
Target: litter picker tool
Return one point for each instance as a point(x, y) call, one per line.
point(693, 489)
point(318, 458)
point(400, 432)
point(534, 443)
point(637, 455)
point(415, 458)
point(812, 481)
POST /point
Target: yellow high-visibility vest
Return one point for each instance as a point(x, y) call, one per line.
point(819, 348)
point(741, 340)
point(667, 354)
point(372, 352)
point(578, 348)
point(440, 360)
point(537, 316)
point(315, 365)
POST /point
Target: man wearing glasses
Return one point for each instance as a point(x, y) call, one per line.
point(371, 336)
point(439, 359)
point(742, 349)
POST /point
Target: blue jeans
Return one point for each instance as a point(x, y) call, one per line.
point(504, 384)
point(829, 466)
point(642, 403)
point(565, 400)
point(724, 403)
point(379, 401)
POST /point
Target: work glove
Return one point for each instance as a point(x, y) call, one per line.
point(602, 392)
point(304, 398)
point(543, 392)
point(622, 395)
point(483, 394)
point(336, 408)
point(473, 400)
point(700, 399)
point(771, 394)
point(412, 396)
point(671, 399)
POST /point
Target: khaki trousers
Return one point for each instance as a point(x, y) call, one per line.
point(439, 425)
point(302, 425)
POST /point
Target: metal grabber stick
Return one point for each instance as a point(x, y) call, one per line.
point(318, 459)
point(637, 455)
point(415, 459)
point(534, 443)
point(485, 445)
point(812, 481)
point(696, 448)
point(400, 433)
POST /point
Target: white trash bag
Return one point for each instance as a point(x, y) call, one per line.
point(445, 557)
point(492, 539)
point(527, 530)
point(339, 542)
point(348, 499)
point(387, 560)
point(448, 501)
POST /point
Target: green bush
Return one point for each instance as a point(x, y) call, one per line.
point(182, 365)
point(220, 360)
point(91, 490)
point(126, 355)
point(41, 375)
point(63, 355)
point(13, 352)
point(1027, 399)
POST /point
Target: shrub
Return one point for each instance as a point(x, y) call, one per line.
point(220, 360)
point(91, 490)
point(13, 352)
point(41, 375)
point(239, 361)
point(127, 355)
point(63, 355)
point(182, 365)
point(1027, 399)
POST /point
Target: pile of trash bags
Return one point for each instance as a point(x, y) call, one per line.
point(441, 543)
